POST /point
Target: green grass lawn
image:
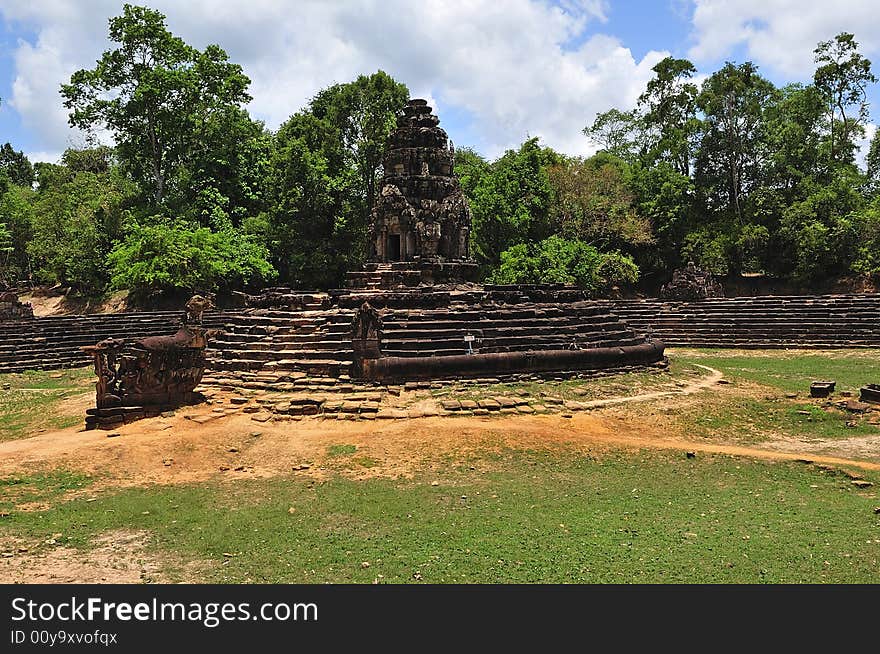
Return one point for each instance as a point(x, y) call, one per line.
point(34, 400)
point(518, 516)
point(791, 371)
point(650, 517)
point(767, 410)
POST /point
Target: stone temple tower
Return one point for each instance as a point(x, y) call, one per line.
point(421, 215)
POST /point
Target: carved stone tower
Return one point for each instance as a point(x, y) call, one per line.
point(421, 214)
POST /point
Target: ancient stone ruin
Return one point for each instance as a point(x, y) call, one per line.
point(412, 315)
point(870, 393)
point(421, 222)
point(691, 283)
point(142, 378)
point(12, 309)
point(418, 317)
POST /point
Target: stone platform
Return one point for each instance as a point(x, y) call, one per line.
point(315, 342)
point(410, 274)
point(807, 321)
point(435, 333)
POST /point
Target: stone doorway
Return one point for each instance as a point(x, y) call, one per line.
point(394, 247)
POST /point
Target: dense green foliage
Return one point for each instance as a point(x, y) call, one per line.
point(159, 97)
point(556, 260)
point(733, 173)
point(741, 176)
point(324, 175)
point(181, 256)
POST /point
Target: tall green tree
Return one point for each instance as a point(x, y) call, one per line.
point(593, 202)
point(224, 180)
point(470, 168)
point(77, 217)
point(364, 112)
point(324, 176)
point(843, 76)
point(872, 163)
point(15, 166)
point(512, 203)
point(817, 236)
point(617, 133)
point(665, 199)
point(668, 107)
point(793, 140)
point(17, 216)
point(155, 94)
point(732, 150)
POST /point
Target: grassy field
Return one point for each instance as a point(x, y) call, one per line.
point(34, 400)
point(556, 515)
point(536, 517)
point(791, 371)
point(776, 395)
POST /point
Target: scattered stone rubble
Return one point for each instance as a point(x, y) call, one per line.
point(870, 393)
point(12, 309)
point(691, 283)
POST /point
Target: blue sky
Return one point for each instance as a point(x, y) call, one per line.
point(497, 71)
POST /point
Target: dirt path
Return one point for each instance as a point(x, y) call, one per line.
point(115, 557)
point(710, 380)
point(178, 450)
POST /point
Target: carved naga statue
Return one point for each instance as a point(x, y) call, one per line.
point(153, 371)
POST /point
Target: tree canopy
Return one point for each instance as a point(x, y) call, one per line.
point(156, 95)
point(724, 169)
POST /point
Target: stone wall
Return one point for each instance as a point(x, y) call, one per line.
point(257, 338)
point(822, 321)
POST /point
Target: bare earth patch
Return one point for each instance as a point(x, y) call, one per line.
point(118, 557)
point(180, 450)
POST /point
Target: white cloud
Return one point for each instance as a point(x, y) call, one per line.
point(511, 66)
point(865, 144)
point(40, 156)
point(780, 34)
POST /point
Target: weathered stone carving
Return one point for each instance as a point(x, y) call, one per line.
point(139, 378)
point(691, 283)
point(366, 333)
point(195, 309)
point(421, 212)
point(158, 370)
point(12, 309)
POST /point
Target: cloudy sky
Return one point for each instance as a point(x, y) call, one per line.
point(496, 71)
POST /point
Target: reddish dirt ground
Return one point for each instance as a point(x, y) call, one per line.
point(178, 449)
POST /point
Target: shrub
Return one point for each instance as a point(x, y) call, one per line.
point(560, 261)
point(172, 255)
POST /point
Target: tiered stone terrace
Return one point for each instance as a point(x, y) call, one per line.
point(317, 343)
point(55, 342)
point(822, 321)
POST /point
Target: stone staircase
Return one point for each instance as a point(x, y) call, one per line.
point(55, 342)
point(371, 278)
point(295, 345)
point(826, 321)
point(517, 328)
point(313, 343)
point(315, 346)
